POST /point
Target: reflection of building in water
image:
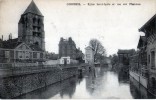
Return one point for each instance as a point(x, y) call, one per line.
point(30, 44)
point(149, 28)
point(123, 77)
point(90, 82)
point(94, 79)
point(68, 87)
point(138, 91)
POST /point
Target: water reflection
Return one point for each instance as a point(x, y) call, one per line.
point(138, 91)
point(98, 83)
point(123, 77)
point(66, 87)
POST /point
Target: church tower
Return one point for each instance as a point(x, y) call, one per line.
point(31, 27)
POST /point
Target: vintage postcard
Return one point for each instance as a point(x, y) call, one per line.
point(78, 49)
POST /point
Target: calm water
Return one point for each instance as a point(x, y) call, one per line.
point(95, 84)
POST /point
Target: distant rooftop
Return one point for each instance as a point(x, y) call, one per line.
point(123, 51)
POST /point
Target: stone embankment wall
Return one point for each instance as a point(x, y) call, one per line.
point(23, 81)
point(142, 80)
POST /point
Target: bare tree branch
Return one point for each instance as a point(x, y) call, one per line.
point(98, 49)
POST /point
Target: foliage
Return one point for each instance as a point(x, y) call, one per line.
point(114, 59)
point(51, 55)
point(98, 48)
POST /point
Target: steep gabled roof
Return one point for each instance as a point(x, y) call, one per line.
point(153, 19)
point(142, 41)
point(32, 8)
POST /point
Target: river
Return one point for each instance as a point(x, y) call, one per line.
point(97, 84)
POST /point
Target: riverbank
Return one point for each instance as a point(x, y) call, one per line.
point(18, 81)
point(141, 81)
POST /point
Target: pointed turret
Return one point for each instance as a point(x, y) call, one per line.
point(32, 8)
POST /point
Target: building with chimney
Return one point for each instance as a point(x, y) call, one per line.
point(30, 44)
point(67, 48)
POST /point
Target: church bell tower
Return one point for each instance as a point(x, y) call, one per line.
point(31, 27)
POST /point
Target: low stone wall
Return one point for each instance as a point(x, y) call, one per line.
point(65, 87)
point(140, 79)
point(136, 88)
point(13, 85)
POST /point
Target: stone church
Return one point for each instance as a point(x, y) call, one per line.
point(30, 44)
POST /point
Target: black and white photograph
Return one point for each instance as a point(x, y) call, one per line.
point(77, 49)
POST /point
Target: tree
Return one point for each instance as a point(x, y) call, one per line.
point(98, 48)
point(51, 55)
point(114, 59)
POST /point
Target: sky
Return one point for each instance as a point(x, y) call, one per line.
point(116, 26)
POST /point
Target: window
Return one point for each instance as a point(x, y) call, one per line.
point(7, 54)
point(38, 21)
point(153, 81)
point(34, 55)
point(152, 59)
point(149, 59)
point(34, 20)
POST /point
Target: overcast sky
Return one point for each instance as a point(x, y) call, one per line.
point(115, 26)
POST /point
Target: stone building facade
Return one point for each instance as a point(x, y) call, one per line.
point(30, 45)
point(124, 55)
point(67, 48)
point(89, 55)
point(149, 28)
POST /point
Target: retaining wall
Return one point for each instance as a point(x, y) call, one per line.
point(13, 85)
point(140, 79)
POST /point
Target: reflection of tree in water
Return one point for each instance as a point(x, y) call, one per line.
point(94, 77)
point(90, 81)
point(68, 87)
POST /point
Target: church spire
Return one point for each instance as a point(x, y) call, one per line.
point(32, 8)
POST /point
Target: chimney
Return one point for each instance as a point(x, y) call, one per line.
point(2, 37)
point(10, 36)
